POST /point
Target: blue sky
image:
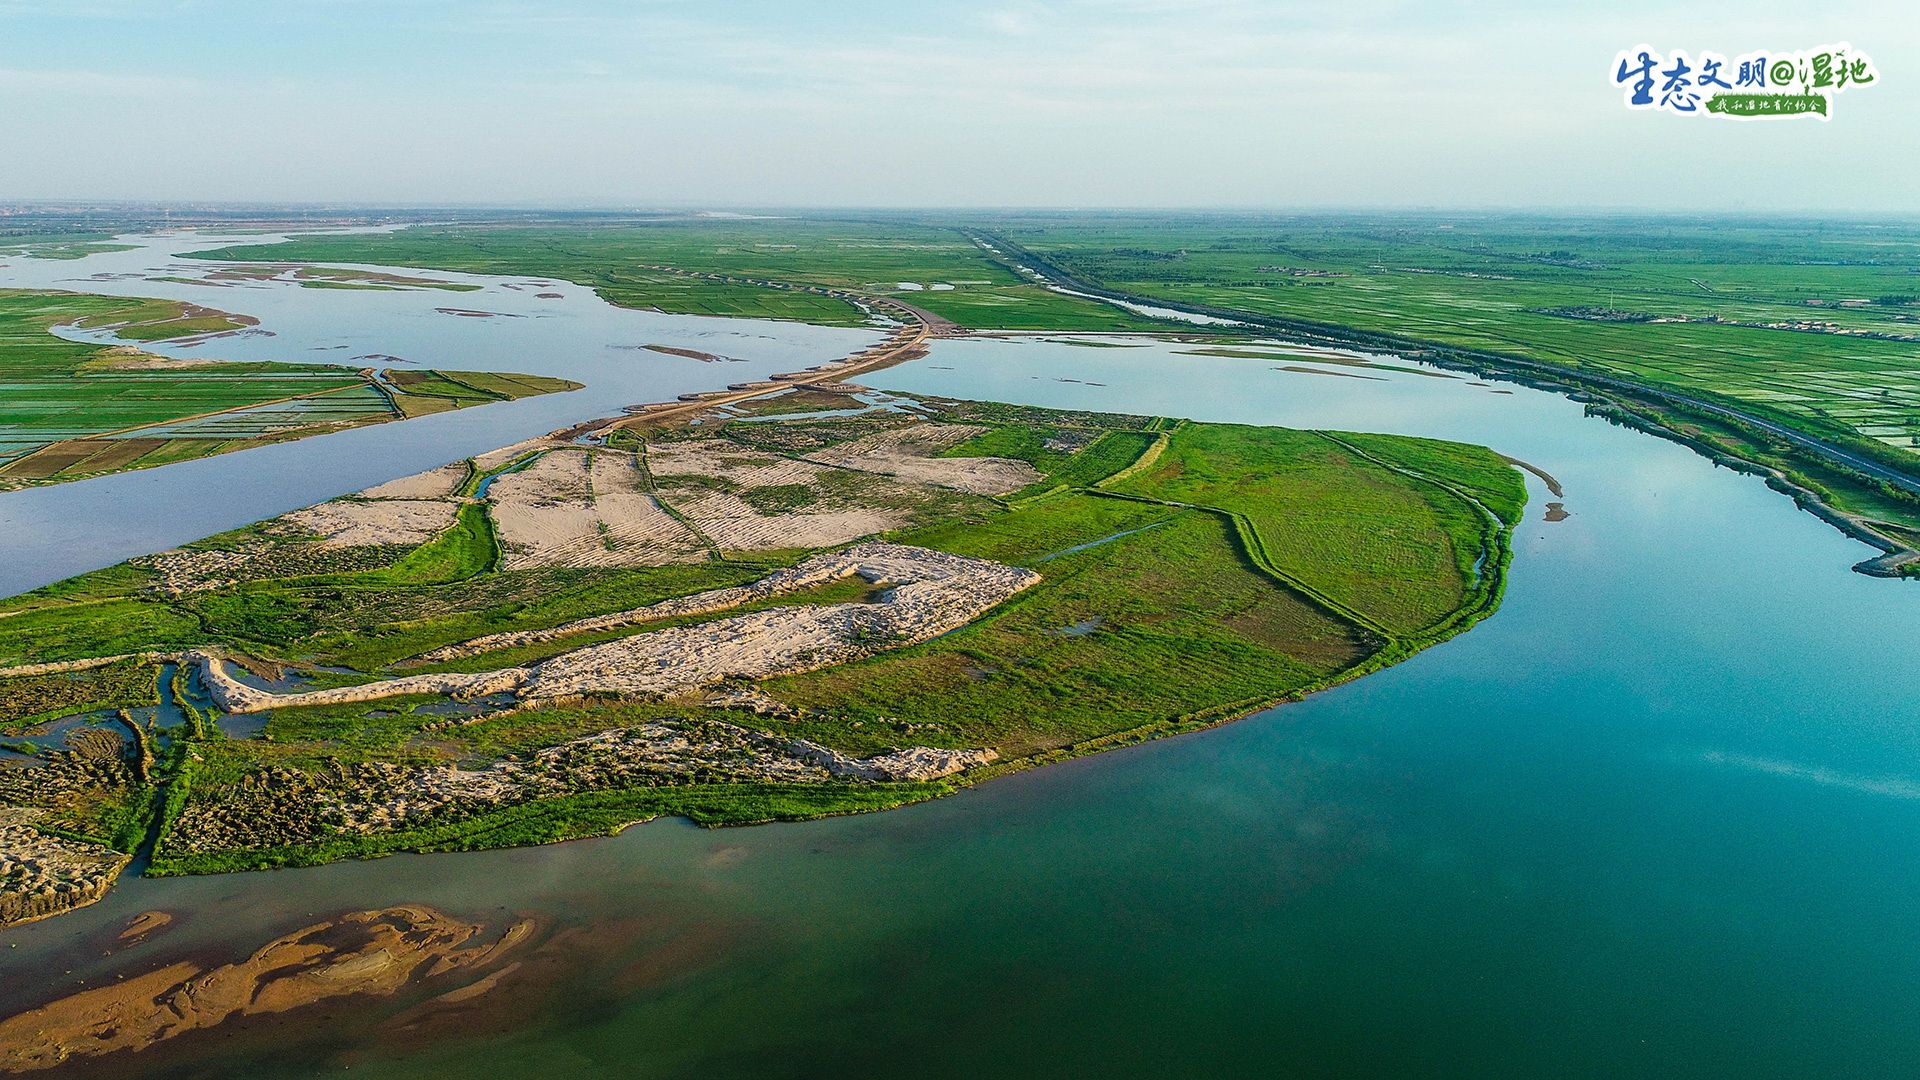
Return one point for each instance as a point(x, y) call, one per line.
point(1060, 103)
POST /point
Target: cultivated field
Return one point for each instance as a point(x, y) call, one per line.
point(74, 410)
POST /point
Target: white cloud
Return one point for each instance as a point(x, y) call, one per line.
point(1066, 102)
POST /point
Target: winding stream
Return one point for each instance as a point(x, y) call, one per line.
point(1657, 817)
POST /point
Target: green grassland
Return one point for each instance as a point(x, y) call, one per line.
point(1190, 573)
point(71, 410)
point(1792, 304)
point(1813, 326)
point(1818, 324)
point(621, 262)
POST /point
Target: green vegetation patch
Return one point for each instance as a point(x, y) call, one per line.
point(28, 699)
point(704, 267)
point(70, 410)
point(1188, 573)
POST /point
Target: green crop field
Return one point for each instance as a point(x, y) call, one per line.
point(70, 410)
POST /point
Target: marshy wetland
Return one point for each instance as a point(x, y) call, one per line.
point(672, 621)
point(1528, 830)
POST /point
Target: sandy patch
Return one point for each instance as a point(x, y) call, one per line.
point(1546, 477)
point(747, 468)
point(145, 923)
point(585, 508)
point(368, 952)
point(906, 454)
point(543, 512)
point(930, 592)
point(638, 531)
point(733, 525)
point(691, 354)
point(42, 875)
point(432, 484)
point(933, 592)
point(352, 523)
point(494, 459)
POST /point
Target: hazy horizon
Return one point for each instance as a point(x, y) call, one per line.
point(1223, 105)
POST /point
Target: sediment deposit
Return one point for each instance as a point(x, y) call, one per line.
point(366, 952)
point(42, 875)
point(907, 454)
point(372, 523)
point(931, 592)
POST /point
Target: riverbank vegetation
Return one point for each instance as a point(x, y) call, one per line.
point(1809, 327)
point(1181, 574)
point(1808, 331)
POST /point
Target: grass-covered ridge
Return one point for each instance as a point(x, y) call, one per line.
point(1187, 573)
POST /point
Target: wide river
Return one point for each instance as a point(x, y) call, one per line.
point(539, 326)
point(1658, 817)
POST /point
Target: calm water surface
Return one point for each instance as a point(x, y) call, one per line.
point(1658, 817)
point(55, 532)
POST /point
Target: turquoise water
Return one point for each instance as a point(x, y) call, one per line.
point(1655, 818)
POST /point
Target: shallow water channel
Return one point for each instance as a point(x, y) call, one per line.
point(1655, 818)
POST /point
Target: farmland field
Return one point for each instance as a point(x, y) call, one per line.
point(73, 410)
point(1816, 322)
point(651, 265)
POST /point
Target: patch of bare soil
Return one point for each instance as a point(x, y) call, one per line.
point(145, 923)
point(129, 358)
point(576, 507)
point(1304, 370)
point(907, 453)
point(734, 525)
point(354, 523)
point(366, 952)
point(42, 875)
point(1545, 477)
point(718, 458)
point(433, 484)
point(494, 459)
point(691, 354)
point(637, 530)
point(931, 592)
